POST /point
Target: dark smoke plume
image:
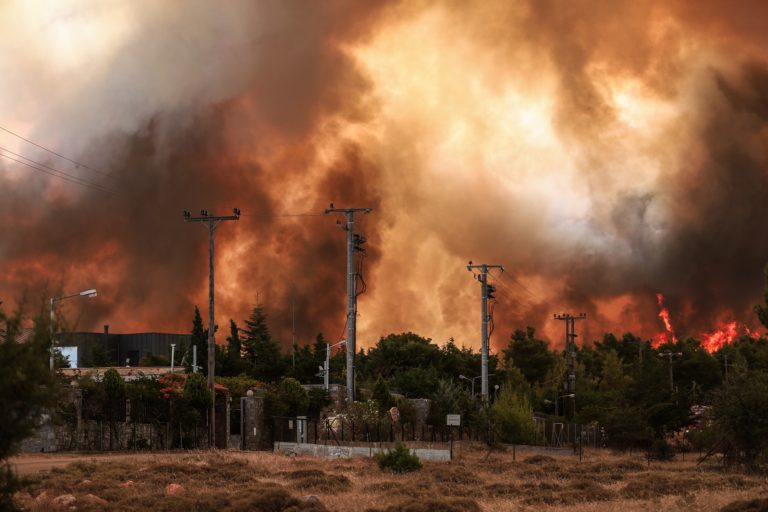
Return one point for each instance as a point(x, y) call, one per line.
point(602, 151)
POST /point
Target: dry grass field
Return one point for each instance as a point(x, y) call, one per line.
point(540, 481)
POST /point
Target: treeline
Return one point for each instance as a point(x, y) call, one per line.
point(633, 391)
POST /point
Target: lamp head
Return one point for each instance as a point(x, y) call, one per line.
point(88, 293)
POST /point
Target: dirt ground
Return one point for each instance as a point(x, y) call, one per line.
point(473, 481)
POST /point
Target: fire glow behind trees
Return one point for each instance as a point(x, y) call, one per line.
point(603, 151)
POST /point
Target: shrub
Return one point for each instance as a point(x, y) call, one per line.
point(382, 396)
point(398, 460)
point(292, 397)
point(513, 416)
point(660, 450)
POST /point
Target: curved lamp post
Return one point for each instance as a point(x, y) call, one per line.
point(54, 300)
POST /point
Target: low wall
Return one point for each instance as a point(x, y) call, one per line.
point(346, 452)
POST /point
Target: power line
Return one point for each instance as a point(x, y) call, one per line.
point(79, 164)
point(518, 283)
point(54, 172)
point(267, 215)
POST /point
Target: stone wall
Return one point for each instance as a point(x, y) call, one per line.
point(69, 431)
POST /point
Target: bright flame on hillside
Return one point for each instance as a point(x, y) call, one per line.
point(711, 341)
point(669, 332)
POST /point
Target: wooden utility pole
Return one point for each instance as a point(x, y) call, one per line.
point(212, 221)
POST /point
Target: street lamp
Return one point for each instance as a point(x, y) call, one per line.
point(472, 381)
point(325, 370)
point(54, 300)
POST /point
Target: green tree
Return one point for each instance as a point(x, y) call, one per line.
point(233, 362)
point(292, 399)
point(741, 414)
point(27, 388)
point(530, 355)
point(451, 398)
point(199, 340)
point(382, 396)
point(154, 360)
point(114, 402)
point(762, 309)
point(319, 399)
point(196, 392)
point(512, 415)
point(266, 362)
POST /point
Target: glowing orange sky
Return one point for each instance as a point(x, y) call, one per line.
point(602, 152)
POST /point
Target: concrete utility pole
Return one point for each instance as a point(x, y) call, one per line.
point(354, 243)
point(570, 353)
point(212, 221)
point(293, 328)
point(485, 290)
point(670, 355)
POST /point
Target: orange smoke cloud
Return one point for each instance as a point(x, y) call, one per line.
point(600, 151)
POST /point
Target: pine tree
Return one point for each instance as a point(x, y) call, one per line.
point(200, 339)
point(263, 354)
point(234, 350)
point(319, 349)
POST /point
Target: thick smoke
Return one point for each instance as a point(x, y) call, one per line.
point(603, 152)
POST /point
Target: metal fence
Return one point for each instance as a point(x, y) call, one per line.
point(339, 430)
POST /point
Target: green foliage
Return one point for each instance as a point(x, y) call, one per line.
point(762, 310)
point(199, 340)
point(398, 460)
point(99, 357)
point(407, 410)
point(154, 360)
point(27, 388)
point(196, 391)
point(530, 355)
point(238, 385)
point(114, 385)
point(363, 412)
point(702, 439)
point(512, 415)
point(266, 362)
point(451, 398)
point(319, 399)
point(412, 365)
point(661, 450)
point(741, 414)
point(382, 396)
point(231, 362)
point(416, 382)
point(292, 399)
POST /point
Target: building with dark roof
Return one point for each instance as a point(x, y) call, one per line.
point(111, 349)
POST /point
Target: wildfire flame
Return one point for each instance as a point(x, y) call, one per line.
point(711, 341)
point(669, 332)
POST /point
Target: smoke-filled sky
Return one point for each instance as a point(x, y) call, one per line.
point(602, 152)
